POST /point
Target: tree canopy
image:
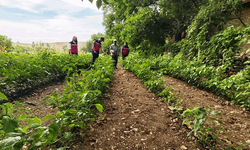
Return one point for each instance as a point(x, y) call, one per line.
point(5, 43)
point(148, 23)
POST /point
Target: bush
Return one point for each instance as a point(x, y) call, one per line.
point(5, 43)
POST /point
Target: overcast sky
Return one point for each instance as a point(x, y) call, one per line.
point(49, 20)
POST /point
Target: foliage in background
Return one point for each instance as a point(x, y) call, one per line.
point(23, 72)
point(105, 45)
point(147, 24)
point(212, 17)
point(5, 43)
point(140, 28)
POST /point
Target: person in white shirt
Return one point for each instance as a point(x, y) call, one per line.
point(114, 51)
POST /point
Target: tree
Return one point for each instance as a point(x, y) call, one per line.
point(181, 14)
point(214, 15)
point(149, 22)
point(99, 2)
point(147, 25)
point(48, 46)
point(5, 42)
point(88, 46)
point(33, 44)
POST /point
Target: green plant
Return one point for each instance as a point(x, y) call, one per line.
point(21, 73)
point(18, 129)
point(196, 118)
point(5, 43)
point(77, 106)
point(195, 72)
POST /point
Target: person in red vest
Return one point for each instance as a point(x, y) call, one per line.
point(96, 47)
point(73, 46)
point(125, 50)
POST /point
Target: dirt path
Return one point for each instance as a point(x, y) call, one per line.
point(41, 110)
point(135, 119)
point(236, 120)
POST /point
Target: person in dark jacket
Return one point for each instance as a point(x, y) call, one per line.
point(73, 46)
point(125, 50)
point(96, 47)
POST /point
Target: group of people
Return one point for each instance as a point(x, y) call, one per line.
point(97, 46)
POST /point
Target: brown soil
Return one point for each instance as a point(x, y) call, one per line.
point(236, 119)
point(135, 119)
point(41, 110)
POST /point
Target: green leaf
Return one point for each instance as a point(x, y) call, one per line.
point(92, 119)
point(9, 142)
point(10, 108)
point(67, 135)
point(34, 120)
point(48, 117)
point(70, 112)
point(25, 128)
point(29, 103)
point(99, 3)
point(105, 1)
point(187, 112)
point(53, 130)
point(9, 125)
point(34, 126)
point(13, 134)
point(2, 96)
point(4, 109)
point(99, 107)
point(23, 116)
point(216, 120)
point(62, 148)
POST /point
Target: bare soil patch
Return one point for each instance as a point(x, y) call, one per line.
point(135, 119)
point(236, 119)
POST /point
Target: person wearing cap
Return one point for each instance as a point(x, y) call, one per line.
point(73, 46)
point(114, 52)
point(96, 47)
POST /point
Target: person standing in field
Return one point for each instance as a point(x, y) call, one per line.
point(73, 46)
point(114, 51)
point(96, 47)
point(125, 50)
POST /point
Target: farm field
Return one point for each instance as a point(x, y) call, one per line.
point(134, 115)
point(21, 73)
point(182, 83)
point(70, 104)
point(57, 45)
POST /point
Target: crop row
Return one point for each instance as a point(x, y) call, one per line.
point(76, 108)
point(214, 79)
point(194, 118)
point(22, 72)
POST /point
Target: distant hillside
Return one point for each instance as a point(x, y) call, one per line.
point(57, 45)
